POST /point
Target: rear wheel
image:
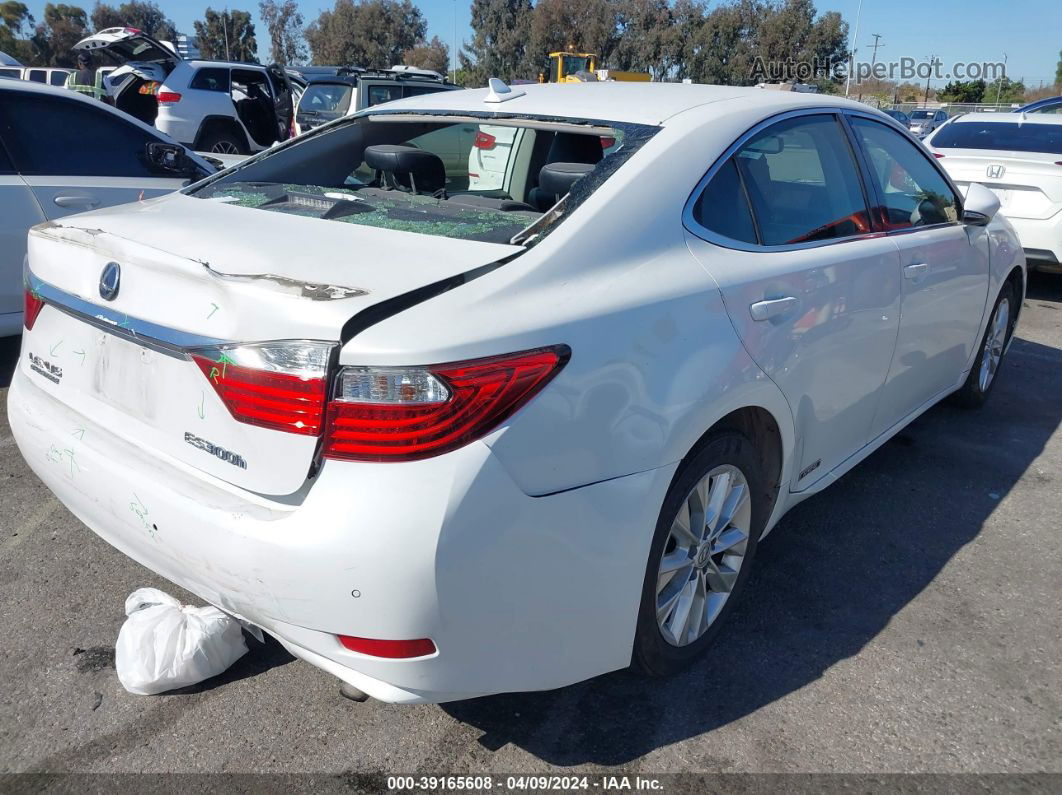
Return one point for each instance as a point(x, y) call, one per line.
point(982, 377)
point(705, 538)
point(222, 142)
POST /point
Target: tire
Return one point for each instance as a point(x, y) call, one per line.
point(661, 648)
point(222, 142)
point(985, 371)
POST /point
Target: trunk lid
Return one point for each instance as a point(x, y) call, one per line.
point(1028, 184)
point(131, 45)
point(206, 273)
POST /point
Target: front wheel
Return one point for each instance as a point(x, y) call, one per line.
point(705, 538)
point(975, 390)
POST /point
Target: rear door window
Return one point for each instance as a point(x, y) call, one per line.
point(380, 93)
point(37, 76)
point(212, 79)
point(911, 192)
point(82, 140)
point(16, 73)
point(802, 182)
point(723, 206)
point(57, 78)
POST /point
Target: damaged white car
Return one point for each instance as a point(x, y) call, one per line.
point(443, 444)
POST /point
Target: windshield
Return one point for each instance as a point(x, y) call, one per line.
point(446, 176)
point(327, 97)
point(919, 115)
point(1009, 136)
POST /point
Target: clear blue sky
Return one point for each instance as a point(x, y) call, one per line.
point(1029, 31)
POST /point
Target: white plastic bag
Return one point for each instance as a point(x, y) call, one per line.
point(163, 645)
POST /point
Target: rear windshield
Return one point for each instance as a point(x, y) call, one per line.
point(1009, 136)
point(328, 97)
point(921, 114)
point(460, 177)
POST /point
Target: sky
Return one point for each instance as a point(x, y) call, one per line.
point(1029, 31)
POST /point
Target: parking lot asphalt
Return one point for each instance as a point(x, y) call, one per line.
point(905, 620)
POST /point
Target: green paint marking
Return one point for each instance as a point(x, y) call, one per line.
point(199, 408)
point(214, 373)
point(79, 433)
point(224, 361)
point(55, 347)
point(81, 354)
point(73, 463)
point(212, 311)
point(54, 455)
point(141, 511)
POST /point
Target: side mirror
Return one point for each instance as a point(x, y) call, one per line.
point(981, 205)
point(171, 158)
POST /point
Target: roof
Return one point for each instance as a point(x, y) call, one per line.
point(635, 103)
point(1012, 118)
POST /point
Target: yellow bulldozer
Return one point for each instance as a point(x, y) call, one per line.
point(581, 67)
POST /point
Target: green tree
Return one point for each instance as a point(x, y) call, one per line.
point(958, 91)
point(500, 43)
point(284, 22)
point(54, 39)
point(582, 25)
point(1005, 91)
point(369, 33)
point(434, 55)
point(643, 37)
point(1058, 70)
point(140, 14)
point(228, 35)
point(16, 24)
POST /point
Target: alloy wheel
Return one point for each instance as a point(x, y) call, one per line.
point(995, 340)
point(224, 148)
point(703, 554)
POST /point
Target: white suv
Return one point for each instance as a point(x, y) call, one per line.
point(211, 106)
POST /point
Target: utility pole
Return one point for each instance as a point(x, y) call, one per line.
point(851, 57)
point(225, 28)
point(932, 61)
point(454, 78)
point(873, 60)
point(999, 89)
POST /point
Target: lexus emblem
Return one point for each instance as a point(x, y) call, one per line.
point(995, 171)
point(110, 280)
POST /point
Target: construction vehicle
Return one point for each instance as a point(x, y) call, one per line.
point(581, 67)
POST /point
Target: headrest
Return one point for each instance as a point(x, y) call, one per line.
point(557, 179)
point(426, 168)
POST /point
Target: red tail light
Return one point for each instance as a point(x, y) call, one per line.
point(484, 140)
point(937, 155)
point(168, 97)
point(393, 649)
point(607, 141)
point(274, 385)
point(406, 414)
point(32, 304)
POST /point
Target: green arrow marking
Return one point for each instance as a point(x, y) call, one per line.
point(81, 354)
point(55, 347)
point(212, 311)
point(79, 433)
point(199, 408)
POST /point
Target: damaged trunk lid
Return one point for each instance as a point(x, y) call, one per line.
point(200, 330)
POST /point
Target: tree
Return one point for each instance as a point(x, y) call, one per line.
point(140, 14)
point(434, 55)
point(284, 21)
point(1058, 70)
point(55, 37)
point(642, 37)
point(581, 25)
point(958, 91)
point(1005, 91)
point(16, 23)
point(369, 33)
point(228, 35)
point(499, 47)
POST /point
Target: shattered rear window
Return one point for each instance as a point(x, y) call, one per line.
point(481, 181)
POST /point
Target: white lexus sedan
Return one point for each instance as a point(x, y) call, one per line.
point(451, 444)
point(1018, 157)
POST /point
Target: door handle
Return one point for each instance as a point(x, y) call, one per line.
point(765, 310)
point(77, 201)
point(915, 271)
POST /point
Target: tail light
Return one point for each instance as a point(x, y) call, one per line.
point(168, 97)
point(937, 155)
point(607, 141)
point(484, 140)
point(406, 414)
point(32, 304)
point(278, 385)
point(393, 649)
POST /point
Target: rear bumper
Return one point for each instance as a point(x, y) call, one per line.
point(1041, 241)
point(517, 592)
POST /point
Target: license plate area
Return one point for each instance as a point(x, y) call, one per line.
point(126, 375)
